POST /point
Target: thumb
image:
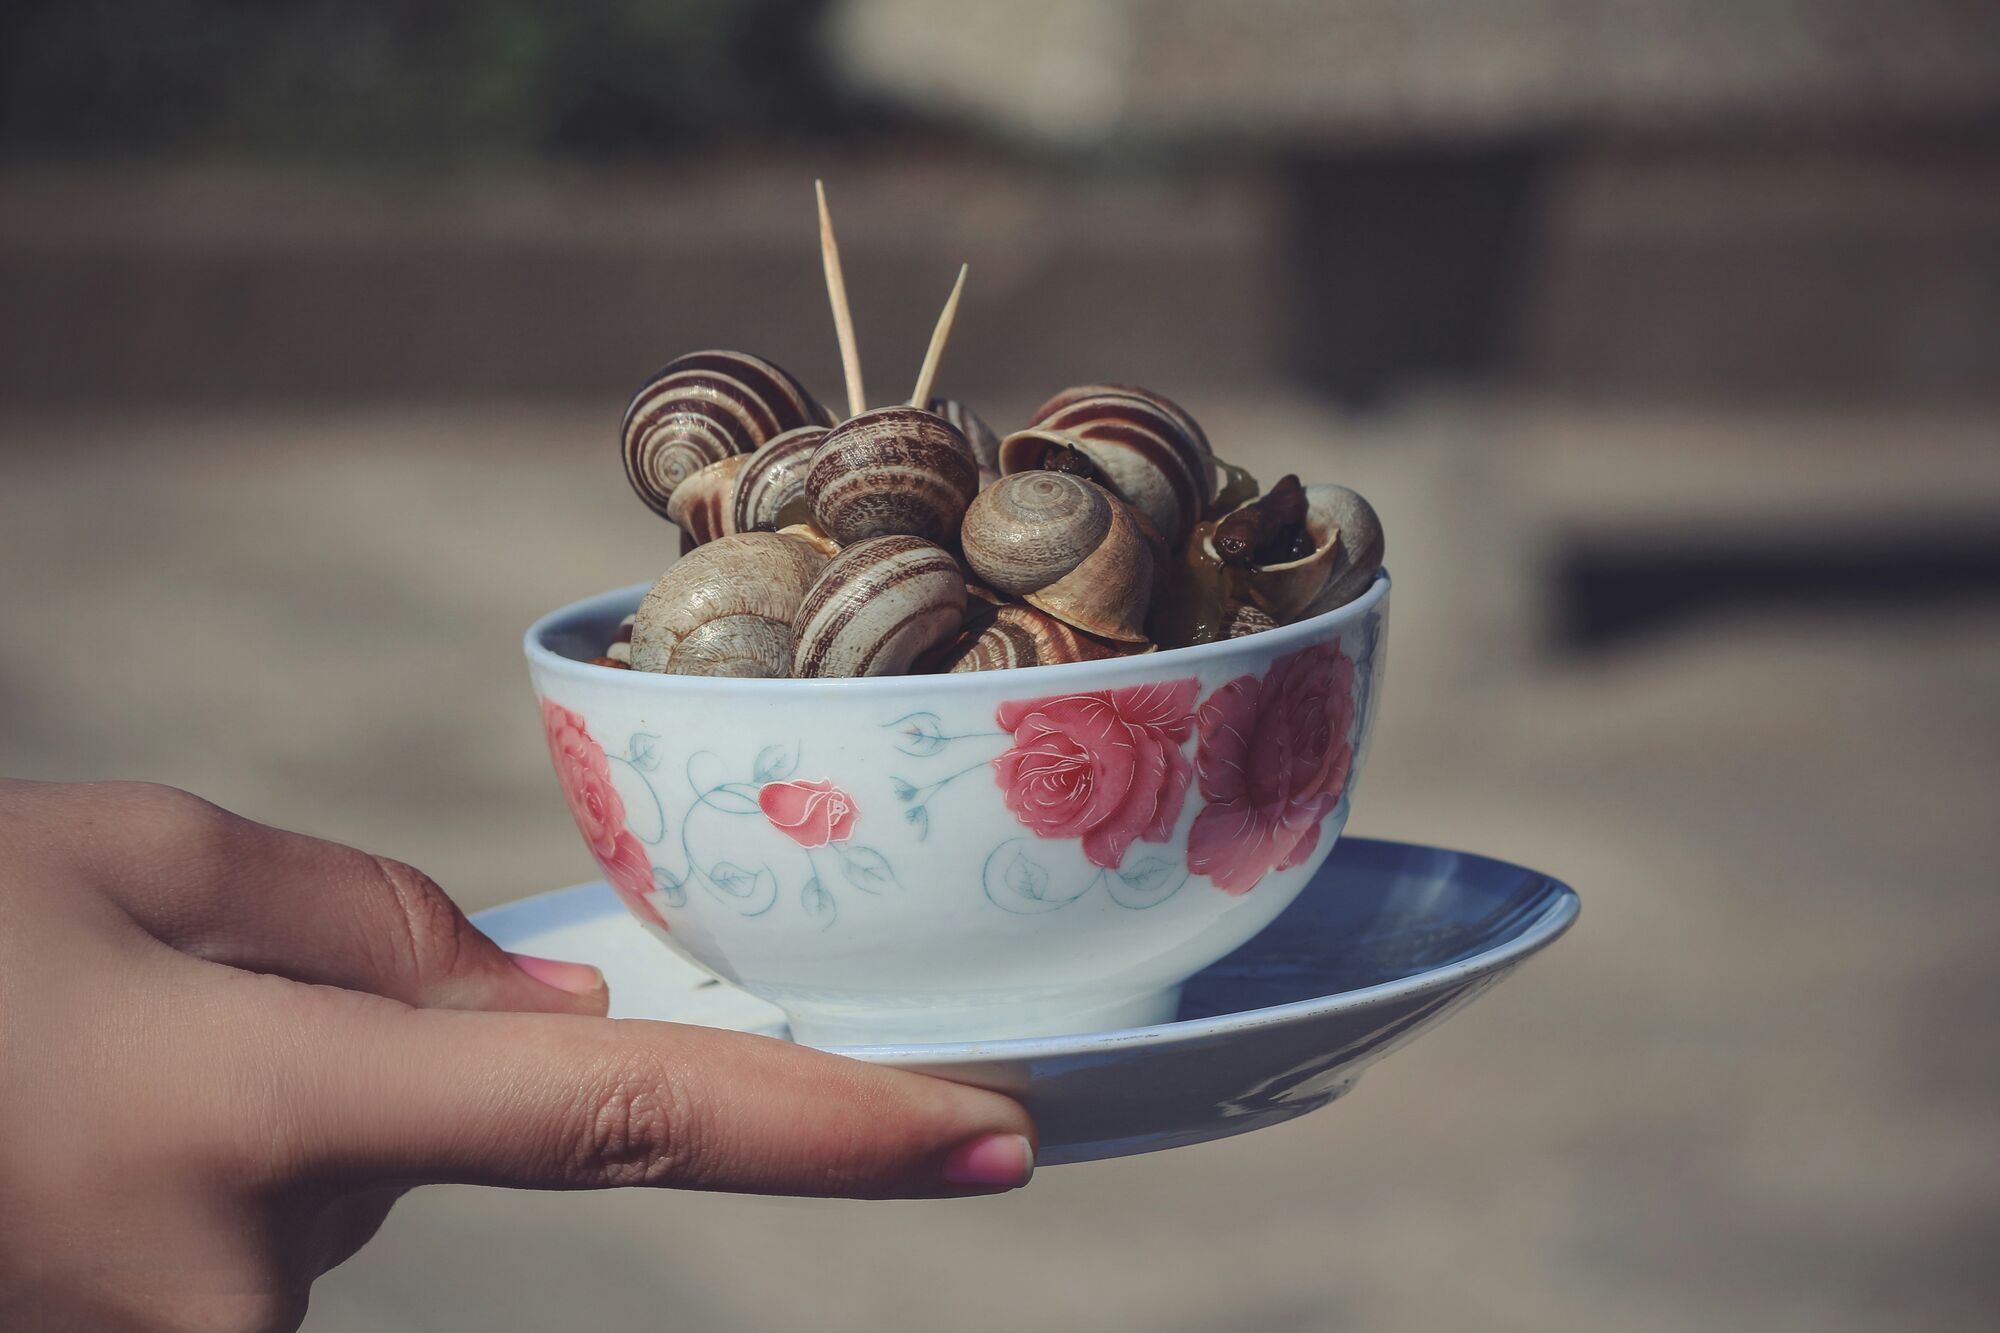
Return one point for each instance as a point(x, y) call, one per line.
point(549, 1101)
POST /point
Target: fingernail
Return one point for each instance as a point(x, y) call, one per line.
point(570, 978)
point(1005, 1161)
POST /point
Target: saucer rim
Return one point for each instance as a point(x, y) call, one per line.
point(1537, 934)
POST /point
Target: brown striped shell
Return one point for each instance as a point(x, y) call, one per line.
point(1145, 449)
point(1064, 545)
point(895, 471)
point(705, 406)
point(985, 441)
point(774, 477)
point(876, 607)
point(703, 505)
point(726, 609)
point(997, 638)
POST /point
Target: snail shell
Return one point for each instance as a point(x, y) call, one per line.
point(1066, 546)
point(774, 477)
point(1245, 620)
point(996, 638)
point(1347, 550)
point(704, 504)
point(985, 441)
point(1147, 451)
point(620, 650)
point(895, 471)
point(810, 534)
point(877, 606)
point(726, 609)
point(705, 406)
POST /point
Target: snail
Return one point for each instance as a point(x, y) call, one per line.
point(704, 504)
point(895, 471)
point(620, 649)
point(1138, 445)
point(1243, 620)
point(876, 606)
point(984, 440)
point(999, 637)
point(705, 406)
point(774, 478)
point(726, 608)
point(1300, 550)
point(1067, 546)
point(811, 535)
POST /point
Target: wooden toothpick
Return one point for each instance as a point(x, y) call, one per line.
point(843, 321)
point(938, 338)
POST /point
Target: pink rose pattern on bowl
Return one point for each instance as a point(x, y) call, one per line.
point(1273, 763)
point(1108, 768)
point(812, 814)
point(599, 813)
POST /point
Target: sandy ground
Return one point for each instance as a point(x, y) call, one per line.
point(1756, 1087)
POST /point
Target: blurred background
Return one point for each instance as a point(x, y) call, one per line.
point(1665, 334)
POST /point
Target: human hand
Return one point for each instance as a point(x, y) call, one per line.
point(225, 1050)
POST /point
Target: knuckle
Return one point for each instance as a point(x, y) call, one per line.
point(636, 1128)
point(426, 923)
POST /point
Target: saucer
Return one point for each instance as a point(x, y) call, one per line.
point(1386, 941)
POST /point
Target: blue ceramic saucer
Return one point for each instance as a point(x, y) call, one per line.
point(1387, 940)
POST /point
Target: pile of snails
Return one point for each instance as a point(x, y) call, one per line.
point(913, 538)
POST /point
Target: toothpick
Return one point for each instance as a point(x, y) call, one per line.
point(938, 339)
point(843, 321)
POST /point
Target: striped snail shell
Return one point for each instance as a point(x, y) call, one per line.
point(1347, 549)
point(1066, 546)
point(703, 505)
point(705, 406)
point(996, 638)
point(1144, 449)
point(726, 609)
point(774, 477)
point(895, 471)
point(985, 441)
point(876, 607)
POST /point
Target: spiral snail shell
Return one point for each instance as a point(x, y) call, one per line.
point(997, 638)
point(726, 608)
point(705, 406)
point(773, 478)
point(876, 607)
point(1142, 447)
point(894, 471)
point(1066, 546)
point(704, 504)
point(985, 441)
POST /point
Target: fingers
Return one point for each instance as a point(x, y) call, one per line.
point(229, 889)
point(554, 1102)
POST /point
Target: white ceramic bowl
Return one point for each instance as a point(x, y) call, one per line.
point(956, 858)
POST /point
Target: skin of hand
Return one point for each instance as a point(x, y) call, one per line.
point(225, 1050)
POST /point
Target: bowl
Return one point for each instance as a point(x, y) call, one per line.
point(989, 855)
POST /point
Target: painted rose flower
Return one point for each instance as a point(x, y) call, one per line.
point(585, 775)
point(1272, 762)
point(812, 814)
point(1105, 767)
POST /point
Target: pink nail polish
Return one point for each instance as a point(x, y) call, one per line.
point(570, 978)
point(1005, 1161)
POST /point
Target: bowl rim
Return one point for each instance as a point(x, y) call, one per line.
point(545, 659)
